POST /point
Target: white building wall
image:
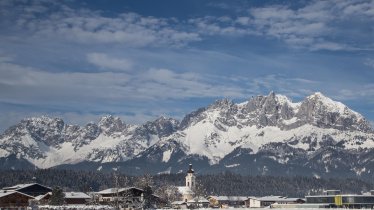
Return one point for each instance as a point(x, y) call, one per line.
point(254, 203)
point(190, 180)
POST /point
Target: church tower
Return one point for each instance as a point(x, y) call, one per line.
point(190, 178)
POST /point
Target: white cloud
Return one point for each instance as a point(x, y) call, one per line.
point(243, 20)
point(315, 26)
point(22, 84)
point(28, 85)
point(104, 61)
point(88, 26)
point(221, 26)
point(360, 91)
point(291, 87)
point(365, 8)
point(319, 25)
point(167, 84)
point(369, 62)
point(328, 46)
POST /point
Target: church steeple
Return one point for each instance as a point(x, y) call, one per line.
point(190, 178)
point(190, 170)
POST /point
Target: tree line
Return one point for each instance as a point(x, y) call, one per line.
point(227, 183)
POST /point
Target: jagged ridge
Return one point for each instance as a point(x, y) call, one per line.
point(269, 126)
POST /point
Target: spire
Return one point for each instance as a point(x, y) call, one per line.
point(190, 170)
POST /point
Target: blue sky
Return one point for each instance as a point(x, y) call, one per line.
point(80, 60)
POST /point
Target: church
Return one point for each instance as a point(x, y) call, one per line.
point(187, 191)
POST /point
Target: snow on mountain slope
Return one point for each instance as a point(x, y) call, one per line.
point(204, 138)
point(263, 123)
point(219, 129)
point(47, 142)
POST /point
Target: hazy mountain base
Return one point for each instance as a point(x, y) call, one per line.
point(218, 184)
point(328, 162)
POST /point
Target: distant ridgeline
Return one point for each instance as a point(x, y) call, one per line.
point(265, 135)
point(217, 184)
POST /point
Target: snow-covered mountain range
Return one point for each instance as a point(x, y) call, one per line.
point(264, 135)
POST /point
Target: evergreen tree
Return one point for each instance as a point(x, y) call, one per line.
point(57, 197)
point(148, 197)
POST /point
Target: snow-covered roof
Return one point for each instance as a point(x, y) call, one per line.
point(271, 197)
point(230, 198)
point(18, 186)
point(4, 193)
point(265, 198)
point(114, 190)
point(178, 203)
point(21, 186)
point(198, 200)
point(276, 199)
point(184, 190)
point(70, 195)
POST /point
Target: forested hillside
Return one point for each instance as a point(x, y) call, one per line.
point(217, 184)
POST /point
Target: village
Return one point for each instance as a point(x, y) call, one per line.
point(190, 196)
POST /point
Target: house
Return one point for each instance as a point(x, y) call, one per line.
point(179, 205)
point(14, 200)
point(260, 202)
point(130, 197)
point(126, 198)
point(227, 201)
point(76, 198)
point(198, 202)
point(32, 189)
point(253, 202)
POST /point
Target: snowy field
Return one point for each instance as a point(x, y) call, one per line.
point(98, 207)
point(271, 208)
point(76, 207)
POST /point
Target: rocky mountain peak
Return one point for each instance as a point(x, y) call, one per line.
point(110, 124)
point(193, 118)
point(45, 129)
point(167, 121)
point(319, 100)
point(162, 126)
point(44, 121)
point(222, 104)
point(322, 111)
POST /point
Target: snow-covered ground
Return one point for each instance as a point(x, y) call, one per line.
point(76, 207)
point(272, 208)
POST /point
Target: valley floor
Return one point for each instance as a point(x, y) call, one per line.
point(100, 207)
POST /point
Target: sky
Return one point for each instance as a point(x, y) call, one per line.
point(139, 60)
